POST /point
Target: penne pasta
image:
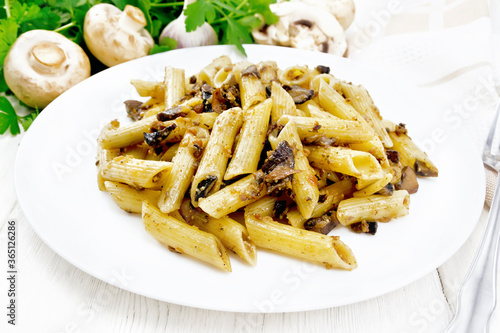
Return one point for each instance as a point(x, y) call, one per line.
point(183, 168)
point(298, 150)
point(373, 208)
point(359, 98)
point(130, 198)
point(342, 131)
point(304, 244)
point(253, 134)
point(233, 235)
point(304, 183)
point(350, 162)
point(282, 102)
point(331, 196)
point(212, 167)
point(251, 88)
point(136, 173)
point(183, 238)
point(233, 197)
point(174, 86)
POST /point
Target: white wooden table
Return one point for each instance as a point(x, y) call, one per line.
point(54, 296)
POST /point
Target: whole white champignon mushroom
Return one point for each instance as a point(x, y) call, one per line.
point(43, 64)
point(204, 35)
point(305, 27)
point(114, 36)
point(343, 10)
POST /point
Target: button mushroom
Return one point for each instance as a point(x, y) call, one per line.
point(114, 36)
point(343, 10)
point(42, 64)
point(305, 27)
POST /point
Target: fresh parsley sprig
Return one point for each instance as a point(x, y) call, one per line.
point(233, 20)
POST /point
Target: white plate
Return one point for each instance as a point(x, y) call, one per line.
point(56, 186)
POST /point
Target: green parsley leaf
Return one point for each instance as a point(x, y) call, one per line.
point(8, 117)
point(166, 44)
point(27, 120)
point(237, 34)
point(3, 84)
point(198, 13)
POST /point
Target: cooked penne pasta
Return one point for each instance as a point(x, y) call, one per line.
point(137, 173)
point(183, 168)
point(150, 89)
point(233, 197)
point(331, 195)
point(103, 157)
point(208, 73)
point(251, 88)
point(212, 167)
point(342, 131)
point(296, 75)
point(350, 162)
point(282, 102)
point(299, 150)
point(309, 245)
point(304, 183)
point(130, 198)
point(333, 102)
point(182, 238)
point(233, 235)
point(359, 98)
point(374, 187)
point(411, 155)
point(174, 86)
point(253, 135)
point(122, 136)
point(373, 208)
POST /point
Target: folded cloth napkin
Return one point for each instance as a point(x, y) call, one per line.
point(443, 48)
point(491, 182)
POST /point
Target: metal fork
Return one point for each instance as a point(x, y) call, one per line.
point(477, 295)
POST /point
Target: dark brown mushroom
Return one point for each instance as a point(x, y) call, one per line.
point(156, 136)
point(408, 181)
point(387, 190)
point(204, 187)
point(280, 209)
point(134, 109)
point(364, 227)
point(251, 71)
point(322, 69)
point(300, 95)
point(323, 224)
point(278, 169)
point(422, 169)
point(170, 114)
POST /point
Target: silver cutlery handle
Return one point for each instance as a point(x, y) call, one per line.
point(477, 295)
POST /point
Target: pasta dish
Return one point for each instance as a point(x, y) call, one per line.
point(243, 156)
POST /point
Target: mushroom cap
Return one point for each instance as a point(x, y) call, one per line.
point(114, 36)
point(42, 64)
point(303, 26)
point(343, 10)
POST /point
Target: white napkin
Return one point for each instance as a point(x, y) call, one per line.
point(443, 48)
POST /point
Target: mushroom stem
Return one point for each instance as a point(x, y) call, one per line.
point(132, 18)
point(47, 57)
